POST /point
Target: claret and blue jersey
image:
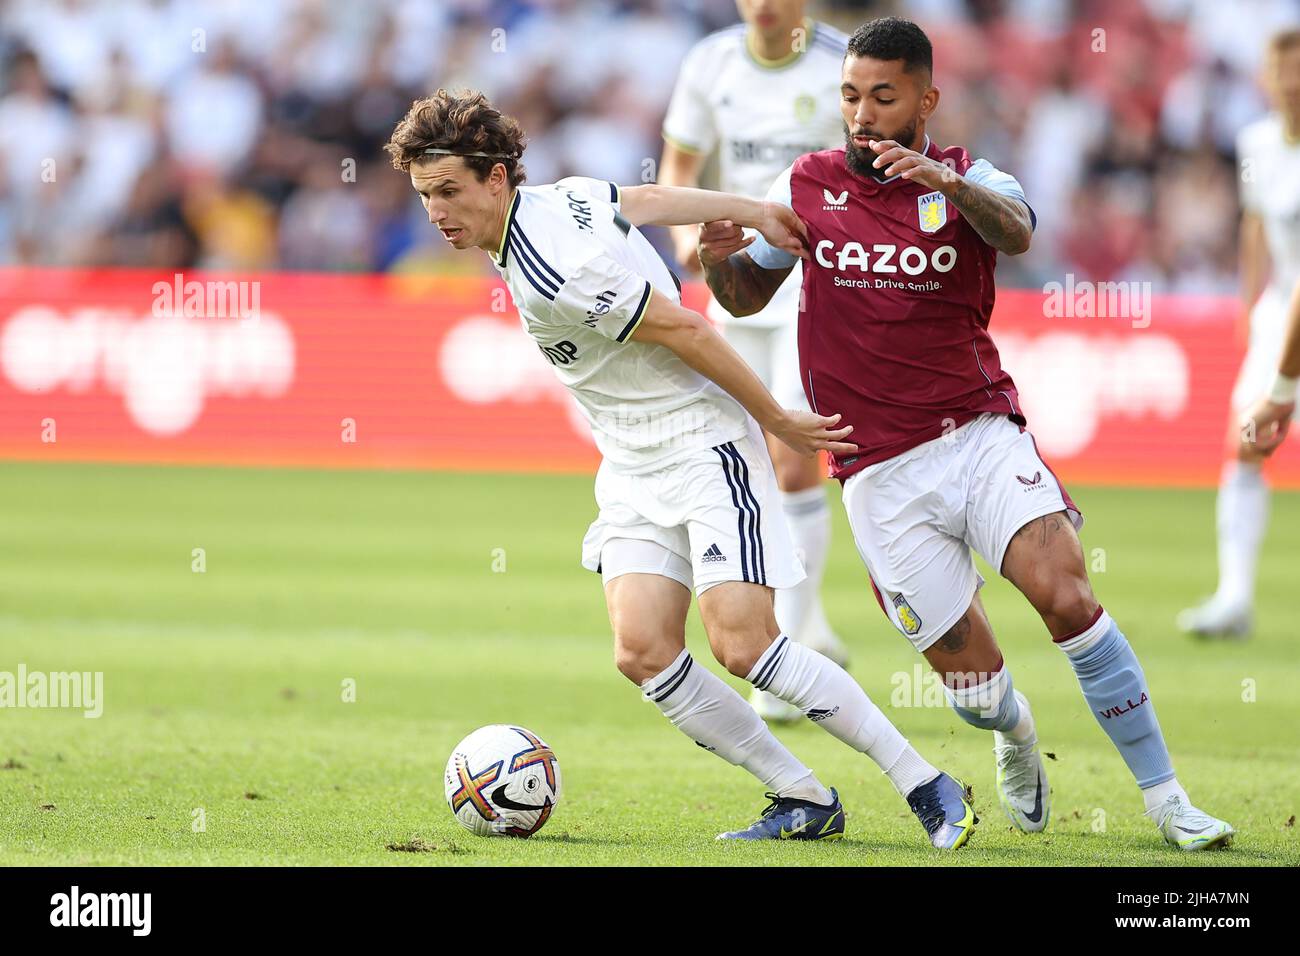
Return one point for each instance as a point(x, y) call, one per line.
point(893, 330)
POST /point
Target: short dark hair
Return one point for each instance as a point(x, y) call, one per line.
point(893, 38)
point(461, 121)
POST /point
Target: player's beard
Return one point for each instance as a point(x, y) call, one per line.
point(859, 160)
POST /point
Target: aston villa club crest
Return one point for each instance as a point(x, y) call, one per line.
point(907, 618)
point(932, 211)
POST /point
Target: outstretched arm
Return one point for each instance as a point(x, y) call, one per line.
point(697, 343)
point(678, 167)
point(654, 205)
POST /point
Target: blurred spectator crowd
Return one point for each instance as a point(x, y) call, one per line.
point(247, 134)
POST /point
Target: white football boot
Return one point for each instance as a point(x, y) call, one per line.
point(1022, 782)
point(1217, 618)
point(1190, 829)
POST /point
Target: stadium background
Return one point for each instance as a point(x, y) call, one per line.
point(147, 142)
point(242, 139)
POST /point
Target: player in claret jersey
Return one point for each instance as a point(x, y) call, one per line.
point(686, 490)
point(893, 335)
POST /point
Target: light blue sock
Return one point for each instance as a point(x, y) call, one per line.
point(989, 705)
point(1116, 690)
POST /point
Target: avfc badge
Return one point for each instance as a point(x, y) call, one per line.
point(932, 211)
point(805, 108)
point(907, 618)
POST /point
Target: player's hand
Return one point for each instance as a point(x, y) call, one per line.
point(808, 433)
point(719, 241)
point(899, 160)
point(1264, 427)
point(784, 230)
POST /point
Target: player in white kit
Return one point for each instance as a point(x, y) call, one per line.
point(760, 94)
point(1268, 154)
point(686, 485)
point(1268, 421)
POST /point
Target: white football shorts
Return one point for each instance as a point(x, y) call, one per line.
point(711, 517)
point(916, 516)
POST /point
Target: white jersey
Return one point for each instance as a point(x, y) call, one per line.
point(581, 277)
point(1270, 188)
point(760, 116)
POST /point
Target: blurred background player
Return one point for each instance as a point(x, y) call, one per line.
point(760, 94)
point(1268, 155)
point(1266, 425)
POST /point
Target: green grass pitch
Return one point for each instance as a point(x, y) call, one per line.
point(223, 690)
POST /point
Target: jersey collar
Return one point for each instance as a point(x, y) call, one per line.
point(781, 62)
point(503, 252)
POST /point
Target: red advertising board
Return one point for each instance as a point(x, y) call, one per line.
point(425, 372)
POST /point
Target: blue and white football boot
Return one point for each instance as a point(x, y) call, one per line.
point(787, 818)
point(943, 810)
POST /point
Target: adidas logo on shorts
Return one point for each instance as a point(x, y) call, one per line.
point(713, 555)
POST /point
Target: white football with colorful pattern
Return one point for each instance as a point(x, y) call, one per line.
point(502, 780)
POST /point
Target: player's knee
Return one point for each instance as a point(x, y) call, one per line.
point(639, 656)
point(795, 473)
point(1070, 602)
point(736, 651)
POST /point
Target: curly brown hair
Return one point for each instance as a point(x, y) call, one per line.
point(462, 121)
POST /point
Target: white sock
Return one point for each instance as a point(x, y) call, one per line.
point(809, 517)
point(909, 771)
point(1155, 796)
point(1242, 518)
point(706, 709)
point(829, 697)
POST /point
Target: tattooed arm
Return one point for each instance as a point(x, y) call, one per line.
point(740, 285)
point(1001, 221)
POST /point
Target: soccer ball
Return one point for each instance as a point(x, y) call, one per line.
point(502, 780)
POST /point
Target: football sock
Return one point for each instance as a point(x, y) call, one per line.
point(993, 705)
point(1116, 690)
point(1242, 518)
point(829, 697)
point(703, 707)
point(1153, 797)
point(809, 517)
